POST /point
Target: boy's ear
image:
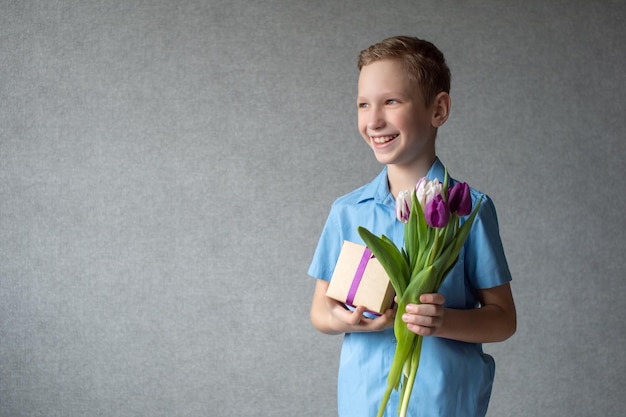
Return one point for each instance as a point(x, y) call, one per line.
point(441, 109)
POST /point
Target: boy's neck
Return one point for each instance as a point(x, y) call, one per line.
point(405, 177)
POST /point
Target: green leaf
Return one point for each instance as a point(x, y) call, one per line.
point(411, 244)
point(389, 257)
point(423, 282)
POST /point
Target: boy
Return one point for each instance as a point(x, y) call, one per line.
point(403, 98)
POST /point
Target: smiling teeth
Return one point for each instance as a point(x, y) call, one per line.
point(383, 139)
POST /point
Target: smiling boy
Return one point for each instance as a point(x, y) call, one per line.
point(403, 98)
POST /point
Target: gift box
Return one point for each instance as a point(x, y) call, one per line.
point(360, 280)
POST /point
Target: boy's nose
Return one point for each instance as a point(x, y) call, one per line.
point(376, 120)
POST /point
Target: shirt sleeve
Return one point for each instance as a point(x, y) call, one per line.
point(328, 248)
point(485, 261)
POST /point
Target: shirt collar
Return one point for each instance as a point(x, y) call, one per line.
point(437, 170)
point(378, 189)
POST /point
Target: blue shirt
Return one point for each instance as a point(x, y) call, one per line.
point(454, 378)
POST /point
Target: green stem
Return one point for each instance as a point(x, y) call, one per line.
point(385, 400)
point(408, 386)
point(418, 260)
point(434, 249)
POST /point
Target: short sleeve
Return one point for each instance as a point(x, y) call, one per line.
point(485, 260)
point(328, 248)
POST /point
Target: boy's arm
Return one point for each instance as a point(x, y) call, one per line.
point(332, 317)
point(494, 321)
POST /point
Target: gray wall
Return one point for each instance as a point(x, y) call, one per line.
point(166, 168)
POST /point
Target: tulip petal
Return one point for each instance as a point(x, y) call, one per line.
point(437, 213)
point(460, 199)
point(403, 206)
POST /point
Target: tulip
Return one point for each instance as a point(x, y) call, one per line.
point(460, 200)
point(426, 190)
point(437, 213)
point(403, 206)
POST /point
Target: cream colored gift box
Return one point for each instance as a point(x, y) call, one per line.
point(360, 280)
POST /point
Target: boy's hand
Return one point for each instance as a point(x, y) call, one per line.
point(425, 319)
point(332, 317)
point(357, 322)
point(494, 321)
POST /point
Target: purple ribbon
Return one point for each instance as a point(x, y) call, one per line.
point(358, 275)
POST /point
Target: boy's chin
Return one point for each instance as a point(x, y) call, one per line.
point(384, 159)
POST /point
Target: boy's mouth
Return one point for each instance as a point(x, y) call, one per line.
point(383, 139)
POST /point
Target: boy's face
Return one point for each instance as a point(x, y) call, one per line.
point(393, 118)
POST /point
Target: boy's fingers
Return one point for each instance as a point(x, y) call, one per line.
point(356, 315)
point(435, 298)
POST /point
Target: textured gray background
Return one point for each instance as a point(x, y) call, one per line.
point(167, 166)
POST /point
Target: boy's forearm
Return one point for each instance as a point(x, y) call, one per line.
point(322, 317)
point(494, 321)
point(490, 323)
point(323, 320)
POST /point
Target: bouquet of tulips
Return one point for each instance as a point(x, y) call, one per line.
point(433, 238)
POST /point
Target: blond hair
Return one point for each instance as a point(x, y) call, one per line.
point(423, 62)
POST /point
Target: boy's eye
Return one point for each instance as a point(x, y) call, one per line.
point(392, 101)
point(363, 105)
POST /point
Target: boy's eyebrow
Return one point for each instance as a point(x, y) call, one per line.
point(387, 94)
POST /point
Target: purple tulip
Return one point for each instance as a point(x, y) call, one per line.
point(460, 200)
point(437, 213)
point(403, 206)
